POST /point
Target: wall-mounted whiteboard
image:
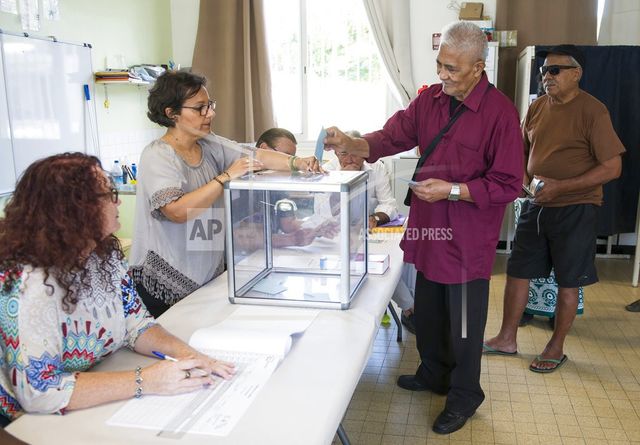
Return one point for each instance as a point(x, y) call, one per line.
point(43, 110)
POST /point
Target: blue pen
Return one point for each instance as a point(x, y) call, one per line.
point(162, 356)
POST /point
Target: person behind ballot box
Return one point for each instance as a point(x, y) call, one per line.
point(67, 302)
point(178, 242)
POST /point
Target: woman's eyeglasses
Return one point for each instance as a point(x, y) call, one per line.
point(554, 70)
point(204, 109)
point(113, 194)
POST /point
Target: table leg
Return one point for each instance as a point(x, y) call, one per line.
point(397, 320)
point(342, 434)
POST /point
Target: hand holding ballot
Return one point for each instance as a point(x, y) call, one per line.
point(341, 143)
point(431, 190)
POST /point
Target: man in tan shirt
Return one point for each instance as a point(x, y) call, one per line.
point(570, 146)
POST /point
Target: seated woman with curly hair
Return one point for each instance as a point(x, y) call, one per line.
point(66, 300)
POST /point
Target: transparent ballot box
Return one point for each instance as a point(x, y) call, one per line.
point(296, 239)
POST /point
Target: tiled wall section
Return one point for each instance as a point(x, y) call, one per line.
point(126, 146)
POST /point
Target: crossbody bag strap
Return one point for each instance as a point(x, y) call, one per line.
point(427, 152)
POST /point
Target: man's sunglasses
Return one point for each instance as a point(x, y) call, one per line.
point(554, 70)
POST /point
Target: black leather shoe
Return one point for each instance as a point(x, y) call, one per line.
point(415, 383)
point(448, 422)
point(407, 321)
point(633, 307)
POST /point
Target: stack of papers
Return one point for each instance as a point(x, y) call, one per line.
point(116, 76)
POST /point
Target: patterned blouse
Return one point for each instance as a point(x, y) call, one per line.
point(43, 347)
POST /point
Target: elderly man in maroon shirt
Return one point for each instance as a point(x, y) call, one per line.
point(457, 207)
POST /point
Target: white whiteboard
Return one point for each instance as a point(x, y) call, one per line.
point(43, 110)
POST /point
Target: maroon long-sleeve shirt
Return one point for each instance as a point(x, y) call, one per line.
point(455, 241)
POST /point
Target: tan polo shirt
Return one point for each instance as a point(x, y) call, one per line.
point(566, 140)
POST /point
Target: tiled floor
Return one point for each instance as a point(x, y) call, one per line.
point(593, 399)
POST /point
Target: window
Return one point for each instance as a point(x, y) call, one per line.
point(325, 67)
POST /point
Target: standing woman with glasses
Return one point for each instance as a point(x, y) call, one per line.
point(181, 177)
point(67, 302)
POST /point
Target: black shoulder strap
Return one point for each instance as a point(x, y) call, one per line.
point(427, 152)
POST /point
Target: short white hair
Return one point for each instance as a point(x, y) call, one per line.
point(466, 37)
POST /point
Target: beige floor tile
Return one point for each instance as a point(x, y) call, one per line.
point(388, 439)
point(573, 441)
point(594, 398)
point(570, 431)
point(527, 439)
point(547, 429)
point(412, 440)
point(593, 433)
point(479, 423)
point(610, 422)
point(502, 437)
point(416, 430)
point(395, 429)
point(397, 418)
point(482, 436)
point(615, 434)
point(373, 427)
point(369, 439)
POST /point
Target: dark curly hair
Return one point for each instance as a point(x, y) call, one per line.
point(54, 218)
point(171, 90)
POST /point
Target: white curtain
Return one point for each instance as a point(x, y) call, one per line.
point(389, 20)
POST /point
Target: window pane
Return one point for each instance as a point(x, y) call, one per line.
point(344, 80)
point(282, 19)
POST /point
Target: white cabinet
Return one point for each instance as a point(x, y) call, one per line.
point(491, 64)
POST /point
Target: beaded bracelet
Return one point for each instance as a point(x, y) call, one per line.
point(226, 173)
point(139, 380)
point(292, 160)
point(219, 181)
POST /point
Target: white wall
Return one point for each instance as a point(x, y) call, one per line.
point(140, 32)
point(428, 17)
point(620, 23)
point(184, 27)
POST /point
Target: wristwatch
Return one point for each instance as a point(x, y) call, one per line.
point(454, 194)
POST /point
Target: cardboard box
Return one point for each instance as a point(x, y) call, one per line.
point(471, 11)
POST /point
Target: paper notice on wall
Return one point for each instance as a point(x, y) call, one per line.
point(9, 6)
point(29, 15)
point(51, 9)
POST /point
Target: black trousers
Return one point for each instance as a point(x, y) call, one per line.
point(450, 349)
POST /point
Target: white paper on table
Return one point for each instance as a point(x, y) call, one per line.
point(255, 339)
point(221, 409)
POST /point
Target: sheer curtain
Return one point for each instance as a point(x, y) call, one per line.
point(231, 51)
point(389, 21)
